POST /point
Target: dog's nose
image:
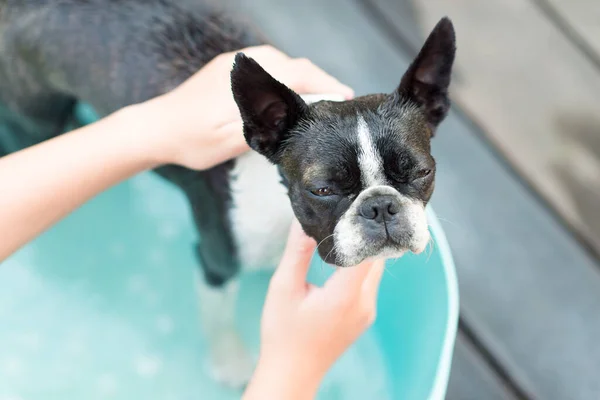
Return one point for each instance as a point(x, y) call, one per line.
point(380, 208)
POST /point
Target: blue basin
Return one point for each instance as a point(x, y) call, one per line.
point(103, 306)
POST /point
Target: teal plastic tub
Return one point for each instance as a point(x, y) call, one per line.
point(103, 306)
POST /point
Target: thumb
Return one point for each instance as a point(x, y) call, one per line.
point(296, 259)
point(371, 283)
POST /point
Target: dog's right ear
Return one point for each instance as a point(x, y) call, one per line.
point(427, 79)
point(269, 109)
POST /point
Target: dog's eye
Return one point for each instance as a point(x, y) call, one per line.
point(423, 173)
point(324, 191)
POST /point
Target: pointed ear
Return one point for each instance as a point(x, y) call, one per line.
point(269, 109)
point(427, 79)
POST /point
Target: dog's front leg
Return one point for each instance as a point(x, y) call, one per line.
point(230, 363)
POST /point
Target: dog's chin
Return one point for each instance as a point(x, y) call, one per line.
point(372, 251)
point(418, 249)
point(357, 248)
point(365, 254)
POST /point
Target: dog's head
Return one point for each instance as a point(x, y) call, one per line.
point(359, 172)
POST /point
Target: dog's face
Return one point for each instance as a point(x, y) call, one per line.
point(359, 172)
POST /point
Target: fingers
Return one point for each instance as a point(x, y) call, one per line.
point(358, 286)
point(355, 290)
point(308, 78)
point(296, 259)
point(300, 74)
point(371, 283)
point(350, 279)
point(265, 54)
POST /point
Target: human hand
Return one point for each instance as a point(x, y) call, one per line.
point(198, 124)
point(304, 328)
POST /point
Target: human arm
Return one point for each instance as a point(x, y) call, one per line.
point(196, 125)
point(305, 329)
point(43, 183)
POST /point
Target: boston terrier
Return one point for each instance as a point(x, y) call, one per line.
point(357, 174)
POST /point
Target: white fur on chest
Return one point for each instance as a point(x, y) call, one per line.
point(261, 213)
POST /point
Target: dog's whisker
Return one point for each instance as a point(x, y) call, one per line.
point(330, 251)
point(319, 244)
point(450, 222)
point(386, 269)
point(322, 263)
point(327, 256)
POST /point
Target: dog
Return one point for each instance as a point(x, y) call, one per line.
point(357, 174)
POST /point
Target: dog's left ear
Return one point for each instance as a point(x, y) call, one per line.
point(427, 79)
point(269, 109)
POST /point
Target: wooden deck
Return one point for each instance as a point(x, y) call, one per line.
point(519, 171)
point(532, 83)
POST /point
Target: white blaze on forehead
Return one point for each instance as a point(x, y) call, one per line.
point(369, 159)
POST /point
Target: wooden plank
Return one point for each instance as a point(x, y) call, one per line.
point(527, 289)
point(581, 16)
point(402, 15)
point(471, 377)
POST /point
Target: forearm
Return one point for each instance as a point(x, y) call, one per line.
point(44, 183)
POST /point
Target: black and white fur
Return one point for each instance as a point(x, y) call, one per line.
point(357, 174)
